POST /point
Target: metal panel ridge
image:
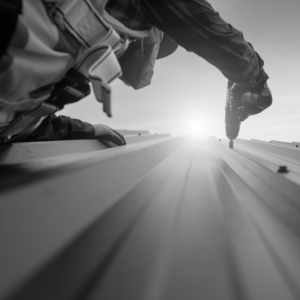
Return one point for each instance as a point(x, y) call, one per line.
point(170, 220)
point(287, 153)
point(52, 200)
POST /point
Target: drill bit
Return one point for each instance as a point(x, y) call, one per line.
point(231, 144)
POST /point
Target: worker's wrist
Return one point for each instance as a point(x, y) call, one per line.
point(262, 77)
point(256, 76)
point(258, 81)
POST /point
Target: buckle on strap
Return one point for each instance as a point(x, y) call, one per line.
point(82, 20)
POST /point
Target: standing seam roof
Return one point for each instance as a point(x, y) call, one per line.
point(160, 218)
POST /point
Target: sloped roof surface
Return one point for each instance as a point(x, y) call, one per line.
point(160, 218)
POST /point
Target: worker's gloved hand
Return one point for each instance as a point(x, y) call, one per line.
point(108, 136)
point(248, 100)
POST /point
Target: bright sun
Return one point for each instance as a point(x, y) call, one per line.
point(198, 128)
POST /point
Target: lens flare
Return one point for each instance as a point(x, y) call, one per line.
point(198, 128)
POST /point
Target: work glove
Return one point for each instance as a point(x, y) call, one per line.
point(108, 136)
point(244, 101)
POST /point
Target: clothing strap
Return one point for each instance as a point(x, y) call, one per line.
point(82, 21)
point(101, 43)
point(101, 73)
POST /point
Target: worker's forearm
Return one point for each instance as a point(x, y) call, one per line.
point(55, 128)
point(62, 128)
point(197, 27)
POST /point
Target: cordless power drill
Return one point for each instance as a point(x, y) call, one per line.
point(253, 100)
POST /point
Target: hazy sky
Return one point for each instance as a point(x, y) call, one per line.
point(186, 89)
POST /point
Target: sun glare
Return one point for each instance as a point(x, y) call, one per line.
point(198, 128)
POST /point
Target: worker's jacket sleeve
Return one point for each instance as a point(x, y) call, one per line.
point(55, 128)
point(197, 27)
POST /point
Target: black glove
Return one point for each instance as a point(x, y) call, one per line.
point(248, 100)
point(108, 136)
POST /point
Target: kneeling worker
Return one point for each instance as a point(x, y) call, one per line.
point(194, 25)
